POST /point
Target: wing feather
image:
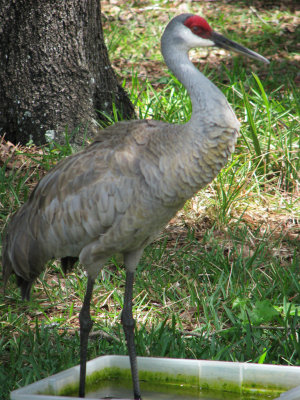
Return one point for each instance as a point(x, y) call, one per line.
point(99, 191)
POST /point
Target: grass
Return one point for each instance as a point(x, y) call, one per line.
point(222, 281)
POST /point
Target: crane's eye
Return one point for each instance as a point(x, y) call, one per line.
point(200, 31)
point(196, 29)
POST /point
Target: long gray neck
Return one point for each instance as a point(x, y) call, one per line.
point(203, 144)
point(208, 102)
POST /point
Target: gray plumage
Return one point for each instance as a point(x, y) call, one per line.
point(116, 195)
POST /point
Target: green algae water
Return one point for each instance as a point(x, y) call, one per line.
point(119, 390)
point(115, 383)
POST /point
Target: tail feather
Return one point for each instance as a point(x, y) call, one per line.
point(21, 254)
point(8, 270)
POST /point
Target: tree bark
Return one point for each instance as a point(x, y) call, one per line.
point(55, 71)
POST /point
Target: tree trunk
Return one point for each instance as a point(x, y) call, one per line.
point(55, 71)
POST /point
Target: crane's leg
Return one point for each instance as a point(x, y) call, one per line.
point(128, 326)
point(86, 324)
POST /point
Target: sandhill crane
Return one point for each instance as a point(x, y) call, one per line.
point(116, 195)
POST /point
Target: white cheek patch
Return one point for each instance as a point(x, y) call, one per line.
point(196, 41)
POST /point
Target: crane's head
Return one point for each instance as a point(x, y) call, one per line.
point(194, 31)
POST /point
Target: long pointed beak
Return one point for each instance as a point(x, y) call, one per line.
point(223, 42)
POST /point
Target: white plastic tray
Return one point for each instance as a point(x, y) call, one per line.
point(241, 374)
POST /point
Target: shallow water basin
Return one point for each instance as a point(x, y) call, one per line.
point(166, 379)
